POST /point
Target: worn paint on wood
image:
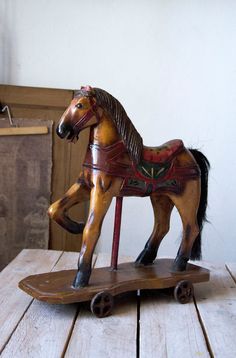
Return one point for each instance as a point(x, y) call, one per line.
point(44, 329)
point(217, 309)
point(13, 301)
point(114, 336)
point(167, 329)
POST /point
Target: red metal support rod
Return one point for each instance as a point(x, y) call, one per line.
point(116, 233)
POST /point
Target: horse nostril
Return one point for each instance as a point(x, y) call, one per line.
point(62, 130)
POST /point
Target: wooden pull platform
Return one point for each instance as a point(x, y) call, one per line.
point(23, 131)
point(56, 287)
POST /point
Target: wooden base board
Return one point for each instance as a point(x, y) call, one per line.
point(56, 287)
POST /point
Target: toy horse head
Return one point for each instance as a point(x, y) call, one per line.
point(88, 108)
point(82, 113)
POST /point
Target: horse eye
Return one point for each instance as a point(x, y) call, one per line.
point(79, 105)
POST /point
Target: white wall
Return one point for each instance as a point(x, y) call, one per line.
point(173, 66)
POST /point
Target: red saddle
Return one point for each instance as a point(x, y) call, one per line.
point(163, 153)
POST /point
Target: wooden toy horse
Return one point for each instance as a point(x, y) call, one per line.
point(117, 164)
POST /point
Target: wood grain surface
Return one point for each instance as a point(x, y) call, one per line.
point(216, 303)
point(23, 131)
point(113, 336)
point(14, 303)
point(149, 325)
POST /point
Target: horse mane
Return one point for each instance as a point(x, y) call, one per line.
point(129, 134)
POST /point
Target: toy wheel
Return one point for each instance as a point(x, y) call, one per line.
point(102, 304)
point(183, 291)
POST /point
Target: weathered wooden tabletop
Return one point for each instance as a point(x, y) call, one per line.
point(152, 325)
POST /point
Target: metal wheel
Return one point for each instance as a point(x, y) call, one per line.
point(183, 291)
point(102, 304)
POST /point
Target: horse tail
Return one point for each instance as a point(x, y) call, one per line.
point(204, 166)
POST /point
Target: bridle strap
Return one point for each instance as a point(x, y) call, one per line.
point(88, 115)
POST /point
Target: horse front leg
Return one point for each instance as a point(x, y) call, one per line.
point(58, 210)
point(100, 199)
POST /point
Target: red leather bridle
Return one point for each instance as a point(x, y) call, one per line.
point(87, 116)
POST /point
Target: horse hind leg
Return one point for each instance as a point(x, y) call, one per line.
point(187, 205)
point(162, 207)
point(58, 210)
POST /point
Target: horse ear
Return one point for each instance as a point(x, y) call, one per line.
point(87, 91)
point(86, 88)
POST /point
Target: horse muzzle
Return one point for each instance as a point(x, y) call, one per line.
point(65, 131)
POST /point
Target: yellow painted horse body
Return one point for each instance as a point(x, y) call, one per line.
point(118, 164)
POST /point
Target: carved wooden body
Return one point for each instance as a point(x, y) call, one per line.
point(117, 164)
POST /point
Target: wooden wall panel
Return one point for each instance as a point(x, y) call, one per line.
point(46, 103)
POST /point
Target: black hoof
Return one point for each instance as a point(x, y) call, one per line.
point(81, 279)
point(180, 264)
point(73, 227)
point(145, 258)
